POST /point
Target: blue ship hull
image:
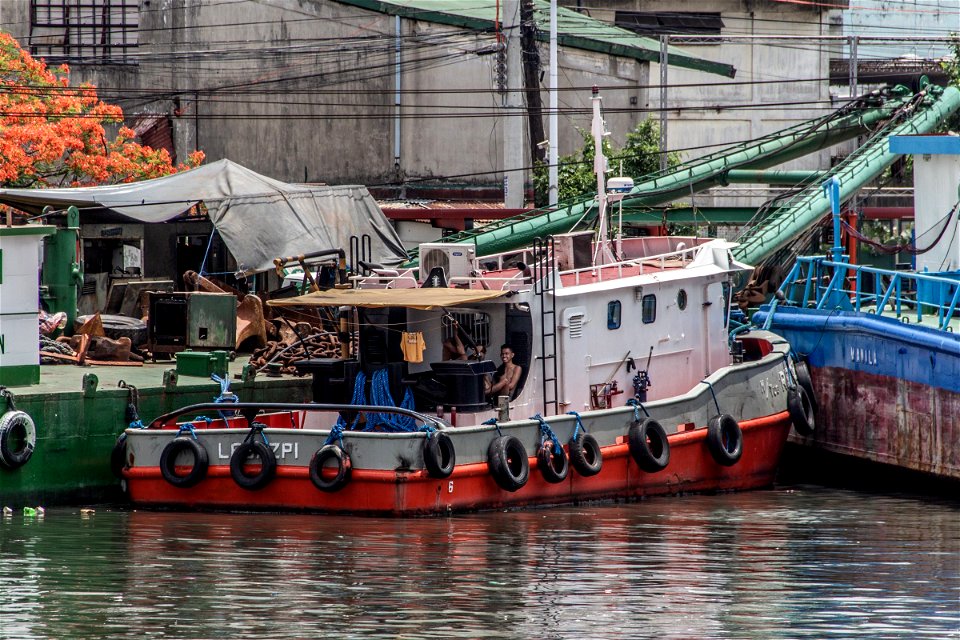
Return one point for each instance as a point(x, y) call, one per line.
point(889, 391)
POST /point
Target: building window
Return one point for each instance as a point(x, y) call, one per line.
point(84, 31)
point(613, 315)
point(649, 306)
point(668, 23)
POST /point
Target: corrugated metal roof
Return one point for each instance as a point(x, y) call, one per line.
point(573, 29)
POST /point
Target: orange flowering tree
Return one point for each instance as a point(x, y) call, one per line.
point(52, 134)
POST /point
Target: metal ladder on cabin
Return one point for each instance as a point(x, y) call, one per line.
point(543, 287)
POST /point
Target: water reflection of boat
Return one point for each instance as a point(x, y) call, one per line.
point(575, 313)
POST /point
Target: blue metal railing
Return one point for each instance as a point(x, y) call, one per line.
point(820, 283)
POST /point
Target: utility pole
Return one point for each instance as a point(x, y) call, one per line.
point(554, 132)
point(664, 43)
point(531, 79)
point(513, 174)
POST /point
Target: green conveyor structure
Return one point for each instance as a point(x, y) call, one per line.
point(793, 217)
point(740, 163)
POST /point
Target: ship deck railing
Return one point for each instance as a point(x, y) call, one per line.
point(821, 283)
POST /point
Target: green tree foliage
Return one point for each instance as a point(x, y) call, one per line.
point(638, 157)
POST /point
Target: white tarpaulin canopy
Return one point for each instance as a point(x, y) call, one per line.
point(259, 218)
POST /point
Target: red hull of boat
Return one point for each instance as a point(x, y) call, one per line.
point(471, 487)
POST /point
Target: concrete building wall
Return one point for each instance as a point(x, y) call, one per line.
point(706, 113)
point(303, 90)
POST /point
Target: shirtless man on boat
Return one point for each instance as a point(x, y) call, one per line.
point(507, 376)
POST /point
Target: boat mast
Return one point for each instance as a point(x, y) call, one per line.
point(602, 253)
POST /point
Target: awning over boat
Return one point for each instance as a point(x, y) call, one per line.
point(425, 299)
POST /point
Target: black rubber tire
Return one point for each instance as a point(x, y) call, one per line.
point(553, 467)
point(508, 463)
point(118, 456)
point(802, 413)
point(18, 437)
point(585, 455)
point(115, 326)
point(724, 439)
point(648, 445)
point(268, 465)
point(805, 381)
point(318, 461)
point(168, 457)
point(439, 455)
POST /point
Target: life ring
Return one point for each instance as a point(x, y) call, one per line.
point(648, 445)
point(800, 407)
point(18, 437)
point(724, 439)
point(553, 466)
point(585, 455)
point(268, 465)
point(168, 461)
point(118, 456)
point(320, 458)
point(508, 464)
point(804, 380)
point(439, 455)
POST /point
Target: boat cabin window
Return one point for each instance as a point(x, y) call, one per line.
point(649, 307)
point(682, 299)
point(613, 314)
point(475, 324)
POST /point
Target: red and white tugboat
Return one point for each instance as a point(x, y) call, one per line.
point(618, 380)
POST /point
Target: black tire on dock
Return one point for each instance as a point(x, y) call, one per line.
point(18, 437)
point(725, 439)
point(118, 456)
point(508, 463)
point(648, 445)
point(115, 326)
point(268, 465)
point(585, 455)
point(168, 459)
point(439, 455)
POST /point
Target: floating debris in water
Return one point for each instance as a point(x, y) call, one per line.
point(34, 512)
point(7, 512)
point(86, 513)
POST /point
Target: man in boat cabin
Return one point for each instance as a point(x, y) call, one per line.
point(453, 348)
point(507, 375)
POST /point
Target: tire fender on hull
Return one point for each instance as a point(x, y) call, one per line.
point(268, 465)
point(724, 439)
point(585, 455)
point(439, 455)
point(648, 445)
point(18, 437)
point(319, 460)
point(553, 466)
point(508, 464)
point(802, 412)
point(168, 460)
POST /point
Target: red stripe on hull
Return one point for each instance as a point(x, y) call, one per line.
point(471, 487)
point(887, 420)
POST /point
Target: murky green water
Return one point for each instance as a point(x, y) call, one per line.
point(801, 563)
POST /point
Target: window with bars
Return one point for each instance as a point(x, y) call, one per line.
point(84, 31)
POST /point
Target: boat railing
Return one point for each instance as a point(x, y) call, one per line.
point(615, 270)
point(251, 410)
point(820, 283)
